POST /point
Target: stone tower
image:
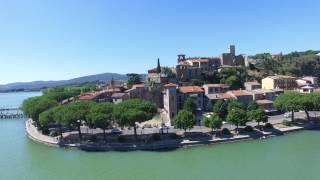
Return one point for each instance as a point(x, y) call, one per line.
point(181, 58)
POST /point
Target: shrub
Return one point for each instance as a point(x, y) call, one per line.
point(225, 131)
point(248, 129)
point(268, 126)
point(173, 136)
point(286, 123)
point(156, 137)
point(122, 139)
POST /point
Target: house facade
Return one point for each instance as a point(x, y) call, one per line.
point(279, 82)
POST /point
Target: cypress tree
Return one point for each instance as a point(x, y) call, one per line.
point(158, 67)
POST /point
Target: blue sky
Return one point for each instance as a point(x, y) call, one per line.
point(62, 39)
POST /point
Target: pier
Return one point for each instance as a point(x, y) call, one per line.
point(11, 113)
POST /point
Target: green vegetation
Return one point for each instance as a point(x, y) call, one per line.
point(221, 109)
point(158, 67)
point(236, 104)
point(60, 94)
point(168, 72)
point(233, 76)
point(184, 120)
point(34, 106)
point(237, 117)
point(256, 113)
point(134, 79)
point(294, 101)
point(127, 113)
point(295, 64)
point(101, 116)
point(188, 105)
point(213, 122)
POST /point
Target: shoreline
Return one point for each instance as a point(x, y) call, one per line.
point(38, 137)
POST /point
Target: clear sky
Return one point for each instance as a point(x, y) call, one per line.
point(62, 39)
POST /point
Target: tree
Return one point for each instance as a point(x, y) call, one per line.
point(185, 120)
point(158, 67)
point(60, 94)
point(289, 102)
point(168, 72)
point(101, 115)
point(236, 104)
point(213, 122)
point(74, 114)
point(134, 79)
point(189, 105)
point(128, 113)
point(234, 82)
point(259, 115)
point(33, 107)
point(221, 109)
point(237, 117)
point(307, 103)
point(252, 106)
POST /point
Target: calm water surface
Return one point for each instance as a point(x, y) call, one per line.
point(292, 157)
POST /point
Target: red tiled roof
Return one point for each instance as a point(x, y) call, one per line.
point(219, 96)
point(264, 101)
point(218, 85)
point(240, 93)
point(199, 60)
point(191, 89)
point(88, 96)
point(170, 85)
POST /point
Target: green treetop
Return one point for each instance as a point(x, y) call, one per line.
point(184, 120)
point(237, 117)
point(213, 122)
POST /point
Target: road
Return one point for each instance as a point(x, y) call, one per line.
point(272, 119)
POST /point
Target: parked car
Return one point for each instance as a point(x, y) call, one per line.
point(116, 131)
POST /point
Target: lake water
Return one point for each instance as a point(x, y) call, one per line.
point(291, 157)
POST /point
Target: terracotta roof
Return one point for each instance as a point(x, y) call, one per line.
point(219, 96)
point(264, 101)
point(218, 85)
point(199, 60)
point(116, 89)
point(170, 85)
point(240, 93)
point(88, 96)
point(191, 89)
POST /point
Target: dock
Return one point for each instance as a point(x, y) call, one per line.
point(11, 113)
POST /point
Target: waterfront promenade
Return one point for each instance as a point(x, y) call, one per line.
point(35, 135)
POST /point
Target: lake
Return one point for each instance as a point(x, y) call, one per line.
point(291, 157)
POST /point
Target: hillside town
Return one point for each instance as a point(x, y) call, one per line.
point(169, 91)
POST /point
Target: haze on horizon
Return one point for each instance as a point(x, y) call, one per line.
point(57, 39)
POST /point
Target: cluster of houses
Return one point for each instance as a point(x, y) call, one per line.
point(169, 93)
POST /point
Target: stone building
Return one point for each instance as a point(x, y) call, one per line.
point(174, 98)
point(279, 82)
point(252, 85)
point(193, 67)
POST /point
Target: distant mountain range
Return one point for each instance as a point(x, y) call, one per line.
point(38, 85)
